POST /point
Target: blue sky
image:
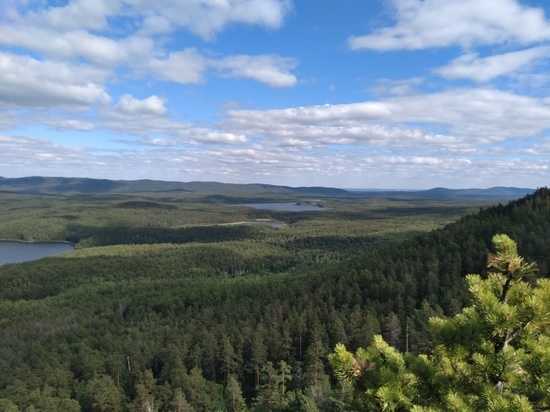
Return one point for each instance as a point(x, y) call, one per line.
point(406, 94)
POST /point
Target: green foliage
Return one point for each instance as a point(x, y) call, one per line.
point(102, 394)
point(233, 395)
point(484, 357)
point(175, 323)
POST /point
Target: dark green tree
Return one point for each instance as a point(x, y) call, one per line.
point(233, 395)
point(492, 356)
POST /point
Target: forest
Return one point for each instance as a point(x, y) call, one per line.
point(186, 301)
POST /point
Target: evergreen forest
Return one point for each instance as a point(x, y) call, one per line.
point(191, 301)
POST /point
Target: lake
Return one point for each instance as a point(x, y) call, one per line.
point(270, 223)
point(286, 207)
point(17, 252)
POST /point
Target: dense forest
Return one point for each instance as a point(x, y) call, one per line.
point(492, 356)
point(172, 305)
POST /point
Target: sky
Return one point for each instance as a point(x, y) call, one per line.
point(402, 94)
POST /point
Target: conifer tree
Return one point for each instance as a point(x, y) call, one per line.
point(492, 356)
point(233, 395)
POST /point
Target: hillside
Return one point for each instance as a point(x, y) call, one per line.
point(498, 192)
point(233, 193)
point(71, 186)
point(204, 323)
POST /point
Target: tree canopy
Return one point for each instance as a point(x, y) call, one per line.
point(494, 355)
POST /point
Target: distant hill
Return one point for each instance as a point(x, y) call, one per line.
point(498, 192)
point(493, 193)
point(229, 192)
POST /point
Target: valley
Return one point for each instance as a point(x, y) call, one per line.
point(167, 297)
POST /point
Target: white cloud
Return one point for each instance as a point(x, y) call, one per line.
point(145, 118)
point(397, 87)
point(189, 67)
point(153, 105)
point(183, 67)
point(78, 43)
point(88, 30)
point(270, 69)
point(155, 24)
point(76, 15)
point(306, 115)
point(66, 124)
point(79, 51)
point(136, 126)
point(484, 115)
point(28, 82)
point(470, 66)
point(415, 160)
point(422, 24)
point(271, 164)
point(206, 18)
point(448, 118)
point(161, 141)
point(82, 28)
point(20, 140)
point(212, 136)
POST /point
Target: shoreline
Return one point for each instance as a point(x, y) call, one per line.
point(38, 241)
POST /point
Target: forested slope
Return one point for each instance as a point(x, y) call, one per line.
point(71, 185)
point(493, 356)
point(187, 327)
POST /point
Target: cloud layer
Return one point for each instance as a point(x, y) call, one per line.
point(183, 90)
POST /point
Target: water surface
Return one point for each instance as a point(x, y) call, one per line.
point(286, 207)
point(270, 223)
point(17, 252)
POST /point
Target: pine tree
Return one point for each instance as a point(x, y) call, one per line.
point(273, 390)
point(233, 395)
point(492, 356)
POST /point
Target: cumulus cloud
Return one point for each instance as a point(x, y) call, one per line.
point(207, 18)
point(445, 118)
point(73, 44)
point(153, 105)
point(76, 49)
point(305, 115)
point(482, 114)
point(422, 24)
point(82, 29)
point(47, 159)
point(271, 164)
point(145, 118)
point(81, 49)
point(195, 135)
point(183, 67)
point(471, 66)
point(161, 141)
point(270, 69)
point(76, 15)
point(25, 81)
point(190, 66)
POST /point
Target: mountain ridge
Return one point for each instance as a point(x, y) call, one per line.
point(73, 185)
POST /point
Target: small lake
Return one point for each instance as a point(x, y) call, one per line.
point(17, 252)
point(285, 207)
point(270, 223)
